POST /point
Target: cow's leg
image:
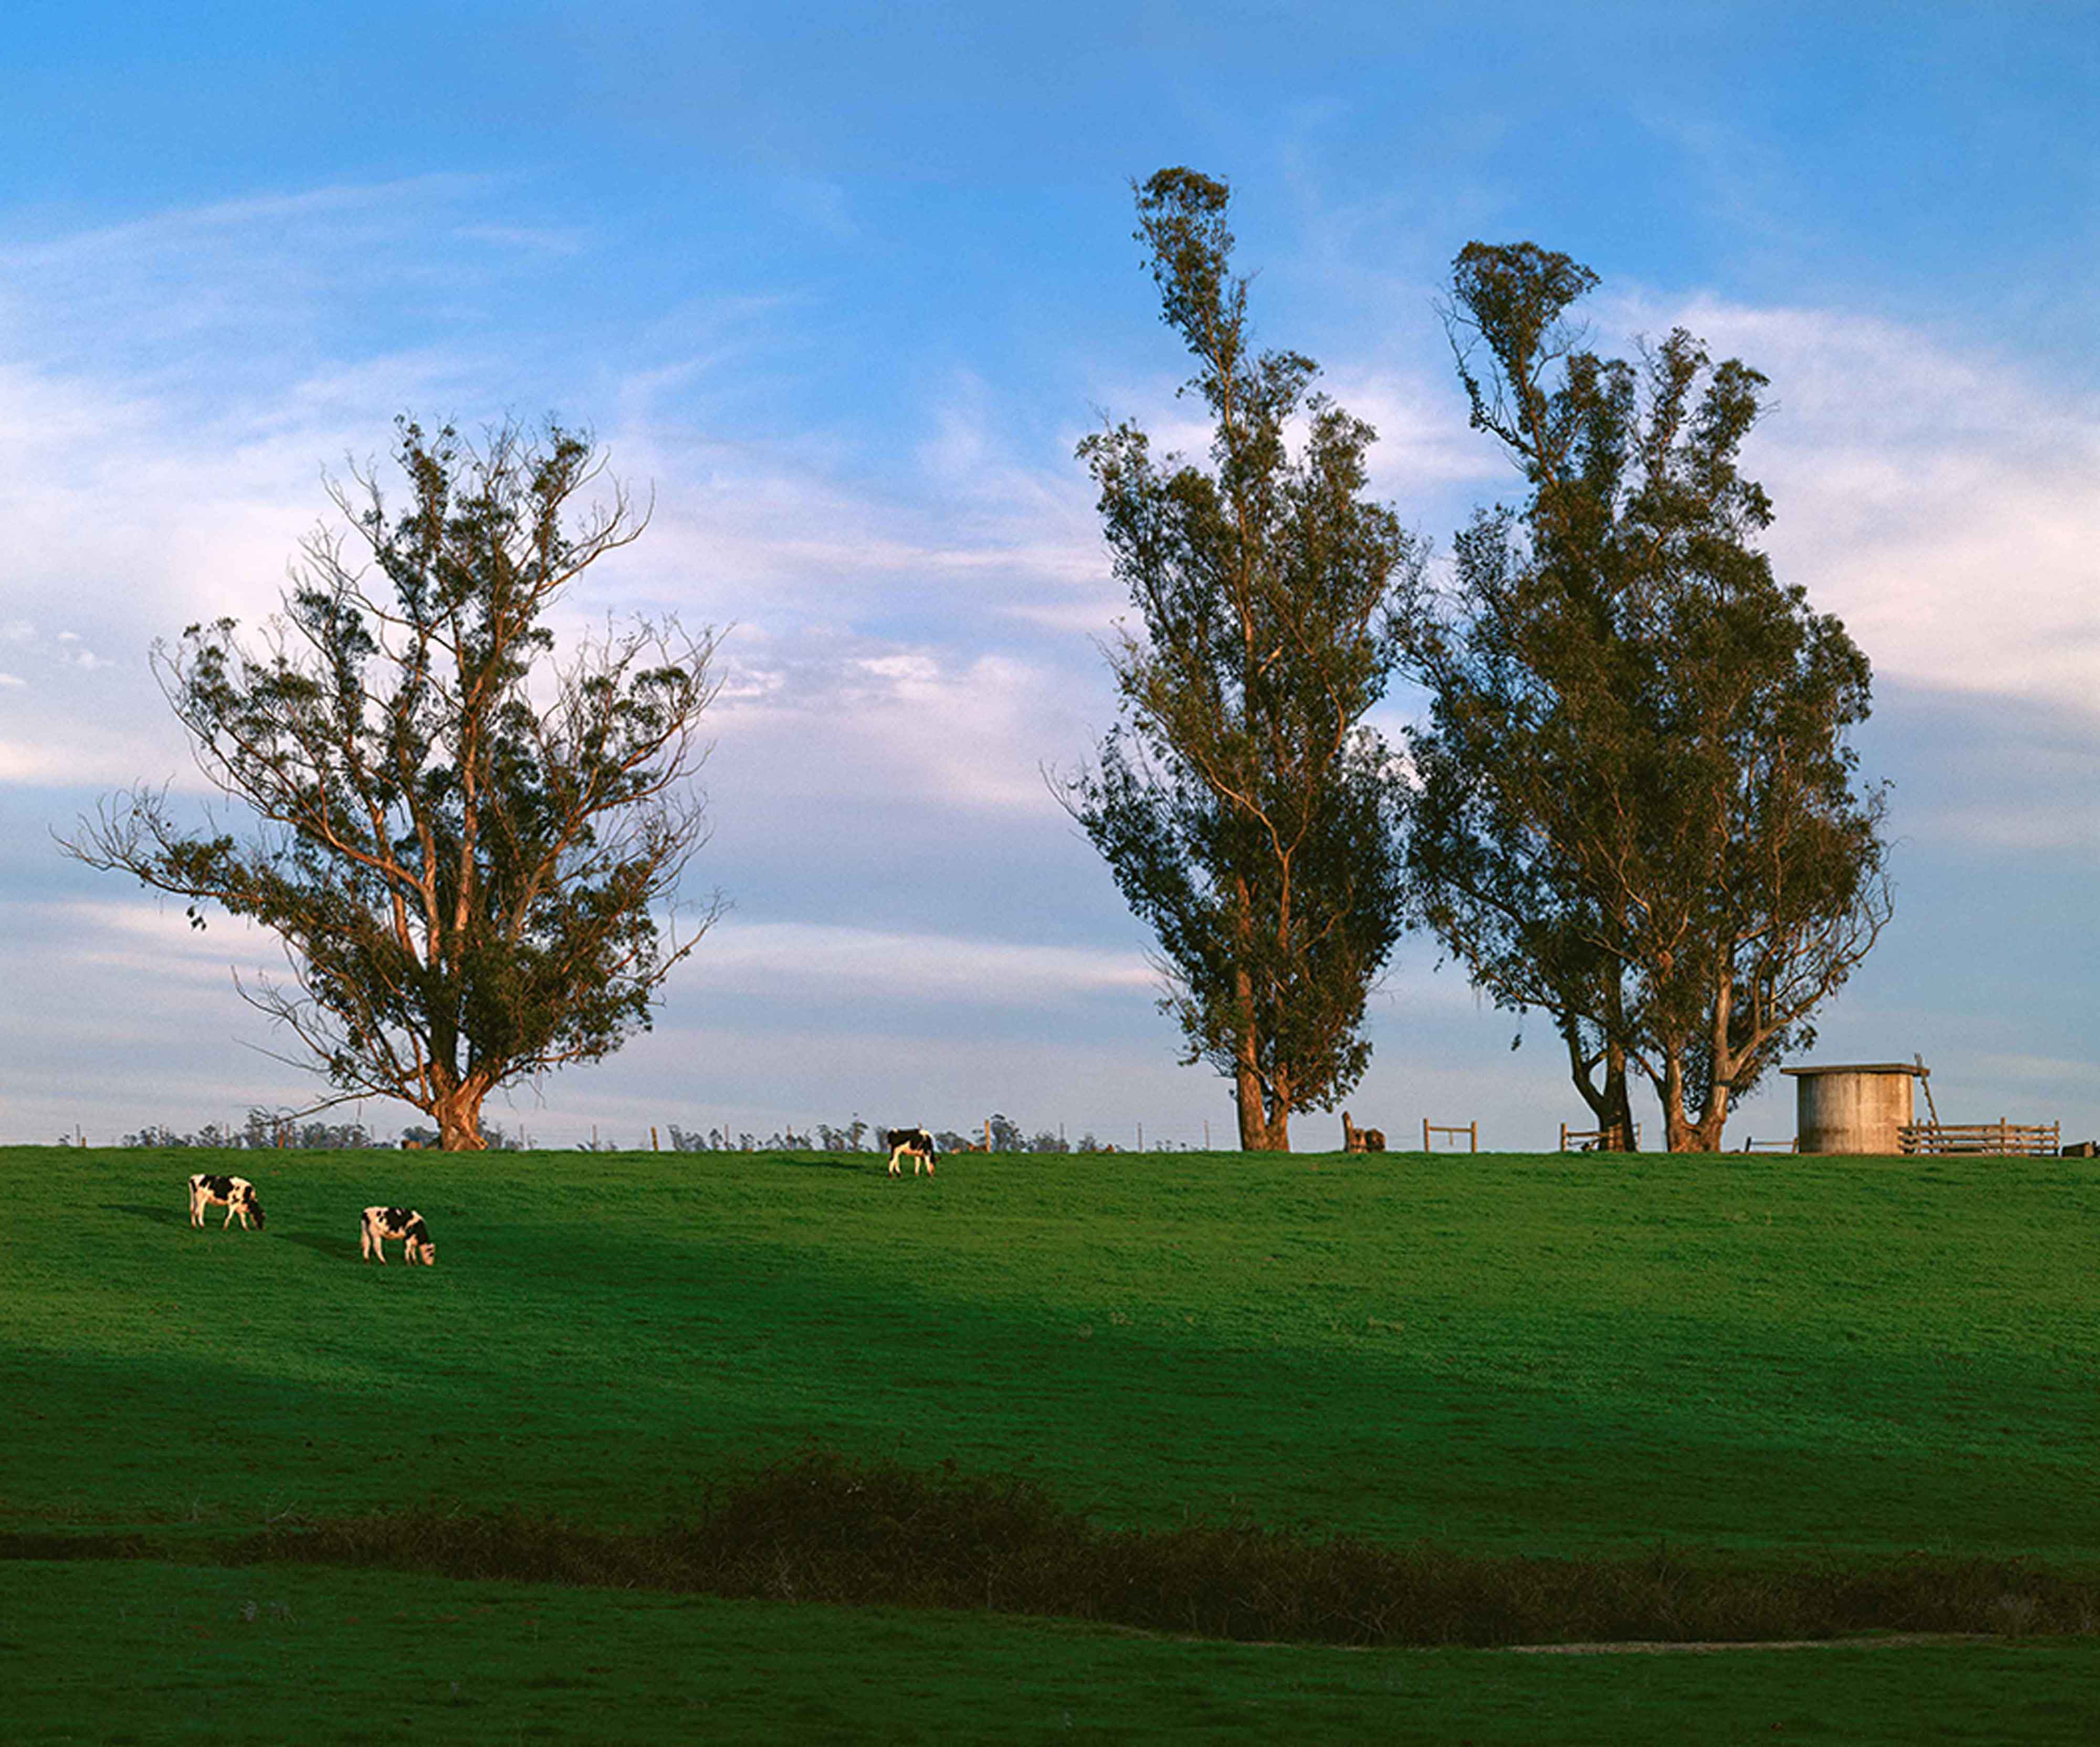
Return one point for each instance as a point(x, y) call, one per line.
point(364, 1240)
point(895, 1170)
point(197, 1210)
point(230, 1209)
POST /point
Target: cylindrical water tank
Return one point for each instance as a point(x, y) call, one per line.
point(1859, 1107)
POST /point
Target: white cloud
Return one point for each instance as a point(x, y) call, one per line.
point(923, 728)
point(1942, 503)
point(801, 958)
point(1425, 445)
point(150, 936)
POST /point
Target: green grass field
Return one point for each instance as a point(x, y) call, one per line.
point(1754, 1357)
point(169, 1653)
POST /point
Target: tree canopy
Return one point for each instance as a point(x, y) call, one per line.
point(1640, 811)
point(469, 841)
point(1246, 812)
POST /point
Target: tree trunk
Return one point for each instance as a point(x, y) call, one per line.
point(1254, 1121)
point(1679, 1134)
point(458, 1116)
point(1618, 1112)
point(1609, 1103)
point(1246, 1077)
point(1706, 1132)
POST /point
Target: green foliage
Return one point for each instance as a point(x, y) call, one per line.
point(1247, 815)
point(1639, 812)
point(466, 840)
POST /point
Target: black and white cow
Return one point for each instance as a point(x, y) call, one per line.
point(913, 1142)
point(379, 1223)
point(235, 1194)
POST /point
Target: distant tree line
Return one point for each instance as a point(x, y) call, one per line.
point(273, 1129)
point(857, 1135)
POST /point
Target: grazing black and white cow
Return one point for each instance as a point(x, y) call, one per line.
point(235, 1194)
point(913, 1142)
point(379, 1223)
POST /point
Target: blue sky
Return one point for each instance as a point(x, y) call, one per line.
point(846, 284)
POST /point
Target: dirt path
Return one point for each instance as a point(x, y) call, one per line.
point(1881, 1641)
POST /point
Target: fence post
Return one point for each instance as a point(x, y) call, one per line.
point(1425, 1134)
point(1473, 1136)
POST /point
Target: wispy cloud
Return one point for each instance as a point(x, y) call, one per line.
point(923, 727)
point(533, 239)
point(1943, 503)
point(137, 240)
point(772, 959)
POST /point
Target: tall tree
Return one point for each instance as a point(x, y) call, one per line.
point(1246, 811)
point(1640, 811)
point(466, 838)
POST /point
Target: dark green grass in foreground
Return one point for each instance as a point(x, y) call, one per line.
point(1500, 1354)
point(151, 1653)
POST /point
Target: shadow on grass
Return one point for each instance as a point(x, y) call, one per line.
point(335, 1249)
point(159, 1215)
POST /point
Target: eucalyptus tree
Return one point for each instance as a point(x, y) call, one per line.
point(1639, 810)
point(468, 840)
point(1246, 812)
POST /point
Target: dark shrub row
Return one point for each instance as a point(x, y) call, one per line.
point(822, 1528)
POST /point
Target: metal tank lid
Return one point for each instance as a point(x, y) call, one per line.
point(1865, 1067)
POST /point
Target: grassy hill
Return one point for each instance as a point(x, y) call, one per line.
point(1753, 1356)
point(1498, 1352)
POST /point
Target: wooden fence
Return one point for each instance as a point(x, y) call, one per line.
point(1597, 1139)
point(2013, 1139)
point(1471, 1131)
